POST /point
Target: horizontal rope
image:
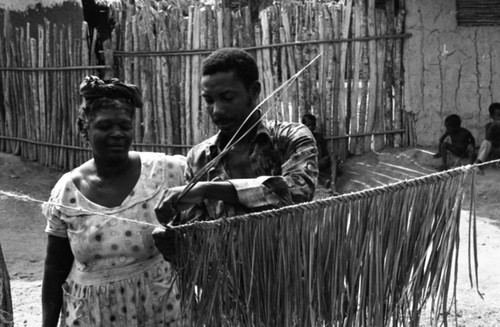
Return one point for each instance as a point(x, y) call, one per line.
point(27, 198)
point(396, 131)
point(193, 52)
point(181, 146)
point(72, 147)
point(322, 203)
point(316, 204)
point(36, 69)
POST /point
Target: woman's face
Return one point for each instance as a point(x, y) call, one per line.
point(110, 133)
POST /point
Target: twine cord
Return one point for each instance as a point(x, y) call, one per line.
point(315, 204)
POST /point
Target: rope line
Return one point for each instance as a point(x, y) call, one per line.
point(343, 198)
point(305, 206)
point(27, 198)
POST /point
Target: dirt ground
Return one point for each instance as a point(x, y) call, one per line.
point(23, 240)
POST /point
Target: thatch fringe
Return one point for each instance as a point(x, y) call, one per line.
point(371, 258)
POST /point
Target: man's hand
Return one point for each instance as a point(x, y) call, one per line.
point(165, 210)
point(171, 205)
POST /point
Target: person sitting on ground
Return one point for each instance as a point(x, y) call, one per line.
point(462, 143)
point(273, 165)
point(324, 158)
point(101, 265)
point(490, 146)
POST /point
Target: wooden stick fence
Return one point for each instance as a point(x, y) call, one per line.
point(39, 76)
point(349, 95)
point(354, 89)
point(372, 258)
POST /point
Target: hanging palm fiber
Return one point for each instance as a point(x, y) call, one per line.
point(370, 258)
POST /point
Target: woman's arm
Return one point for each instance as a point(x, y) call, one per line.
point(58, 262)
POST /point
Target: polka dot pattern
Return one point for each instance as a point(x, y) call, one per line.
point(106, 245)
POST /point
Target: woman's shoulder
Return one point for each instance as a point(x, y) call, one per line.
point(63, 181)
point(171, 161)
point(62, 191)
point(84, 169)
point(74, 175)
point(163, 168)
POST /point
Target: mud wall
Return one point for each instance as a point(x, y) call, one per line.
point(448, 69)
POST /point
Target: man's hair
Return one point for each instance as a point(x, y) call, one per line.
point(232, 59)
point(453, 121)
point(494, 106)
point(310, 117)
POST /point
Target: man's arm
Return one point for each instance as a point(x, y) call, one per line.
point(295, 184)
point(299, 171)
point(58, 262)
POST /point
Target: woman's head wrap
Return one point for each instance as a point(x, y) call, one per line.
point(92, 87)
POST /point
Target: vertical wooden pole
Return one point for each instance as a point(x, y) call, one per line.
point(188, 107)
point(379, 123)
point(398, 79)
point(195, 79)
point(355, 114)
point(6, 312)
point(372, 92)
point(343, 95)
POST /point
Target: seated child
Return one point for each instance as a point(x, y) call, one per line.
point(324, 160)
point(490, 147)
point(462, 142)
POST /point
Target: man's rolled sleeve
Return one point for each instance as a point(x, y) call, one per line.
point(252, 193)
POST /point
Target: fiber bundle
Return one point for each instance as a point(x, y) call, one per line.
point(370, 258)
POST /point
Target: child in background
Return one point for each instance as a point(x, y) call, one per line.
point(462, 142)
point(324, 158)
point(490, 147)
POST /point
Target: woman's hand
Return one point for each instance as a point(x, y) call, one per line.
point(165, 241)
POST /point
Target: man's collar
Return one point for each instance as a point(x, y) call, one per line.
point(261, 134)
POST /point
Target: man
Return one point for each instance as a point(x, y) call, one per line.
point(273, 165)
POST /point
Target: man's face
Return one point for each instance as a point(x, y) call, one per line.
point(228, 101)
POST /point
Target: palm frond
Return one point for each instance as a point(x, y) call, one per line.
point(371, 258)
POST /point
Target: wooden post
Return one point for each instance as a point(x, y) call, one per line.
point(343, 92)
point(355, 117)
point(6, 316)
point(379, 122)
point(372, 92)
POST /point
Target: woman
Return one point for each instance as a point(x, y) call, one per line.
point(101, 267)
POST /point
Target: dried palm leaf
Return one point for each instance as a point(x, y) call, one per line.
point(371, 258)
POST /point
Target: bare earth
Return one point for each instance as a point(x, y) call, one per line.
point(23, 240)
